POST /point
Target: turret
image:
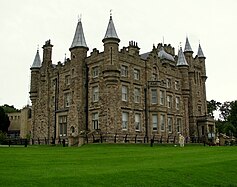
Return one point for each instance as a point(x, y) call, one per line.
point(111, 42)
point(35, 68)
point(183, 67)
point(188, 52)
point(79, 48)
point(47, 54)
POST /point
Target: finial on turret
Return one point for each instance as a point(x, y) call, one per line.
point(79, 18)
point(110, 12)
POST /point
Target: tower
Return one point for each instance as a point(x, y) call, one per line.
point(78, 51)
point(34, 85)
point(184, 69)
point(111, 76)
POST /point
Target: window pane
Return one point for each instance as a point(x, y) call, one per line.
point(155, 122)
point(153, 96)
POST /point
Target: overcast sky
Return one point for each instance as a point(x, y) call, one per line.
point(26, 24)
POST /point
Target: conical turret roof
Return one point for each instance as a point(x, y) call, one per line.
point(37, 61)
point(187, 47)
point(181, 58)
point(200, 53)
point(79, 38)
point(111, 32)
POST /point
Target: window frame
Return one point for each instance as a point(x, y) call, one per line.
point(124, 93)
point(154, 127)
point(125, 121)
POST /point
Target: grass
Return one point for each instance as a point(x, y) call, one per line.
point(118, 165)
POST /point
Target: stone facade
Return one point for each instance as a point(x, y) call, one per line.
point(20, 123)
point(119, 92)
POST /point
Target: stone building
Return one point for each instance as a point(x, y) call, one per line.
point(119, 92)
point(20, 123)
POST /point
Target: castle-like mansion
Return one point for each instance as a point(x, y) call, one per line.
point(119, 92)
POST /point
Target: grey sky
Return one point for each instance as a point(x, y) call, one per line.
point(26, 24)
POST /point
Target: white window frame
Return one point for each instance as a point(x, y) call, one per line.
point(95, 93)
point(154, 122)
point(176, 85)
point(137, 95)
point(66, 99)
point(62, 125)
point(153, 96)
point(162, 122)
point(162, 97)
point(136, 74)
point(137, 122)
point(95, 120)
point(169, 101)
point(170, 124)
point(124, 71)
point(124, 120)
point(124, 93)
point(177, 103)
point(179, 124)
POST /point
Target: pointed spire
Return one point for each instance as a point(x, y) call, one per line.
point(79, 38)
point(111, 32)
point(200, 53)
point(37, 61)
point(187, 47)
point(181, 58)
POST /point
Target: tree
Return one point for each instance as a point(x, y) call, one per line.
point(232, 117)
point(4, 121)
point(212, 106)
point(225, 109)
point(9, 108)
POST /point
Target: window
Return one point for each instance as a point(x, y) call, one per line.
point(178, 125)
point(137, 95)
point(177, 101)
point(136, 74)
point(124, 93)
point(66, 99)
point(154, 96)
point(176, 85)
point(162, 122)
point(162, 97)
point(95, 120)
point(154, 122)
point(169, 101)
point(199, 110)
point(124, 120)
point(168, 83)
point(170, 124)
point(95, 72)
point(124, 71)
point(67, 80)
point(62, 126)
point(137, 122)
point(154, 74)
point(95, 94)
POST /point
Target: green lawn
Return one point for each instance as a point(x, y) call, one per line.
point(118, 165)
